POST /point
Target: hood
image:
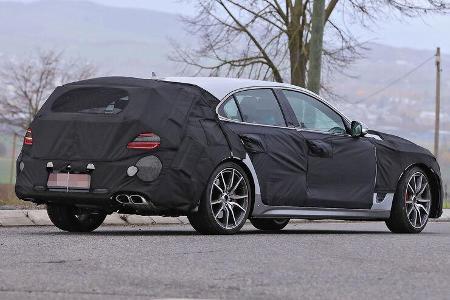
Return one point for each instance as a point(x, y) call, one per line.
point(401, 144)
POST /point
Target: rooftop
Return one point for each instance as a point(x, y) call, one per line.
point(220, 87)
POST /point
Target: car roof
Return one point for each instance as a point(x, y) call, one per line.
point(220, 87)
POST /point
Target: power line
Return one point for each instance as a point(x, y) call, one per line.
point(395, 81)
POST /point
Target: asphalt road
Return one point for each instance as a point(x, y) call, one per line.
point(306, 261)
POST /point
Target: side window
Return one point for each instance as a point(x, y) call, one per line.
point(313, 114)
point(260, 107)
point(230, 110)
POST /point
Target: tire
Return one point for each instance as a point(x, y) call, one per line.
point(69, 218)
point(412, 203)
point(269, 224)
point(225, 203)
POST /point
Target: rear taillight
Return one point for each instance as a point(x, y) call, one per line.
point(145, 141)
point(28, 139)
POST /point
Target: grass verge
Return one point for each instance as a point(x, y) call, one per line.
point(8, 198)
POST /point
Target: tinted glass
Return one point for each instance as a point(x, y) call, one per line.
point(230, 110)
point(260, 107)
point(92, 101)
point(313, 114)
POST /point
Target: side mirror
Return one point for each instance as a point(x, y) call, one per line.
point(358, 129)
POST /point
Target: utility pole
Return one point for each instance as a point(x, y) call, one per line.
point(13, 159)
point(438, 101)
point(316, 46)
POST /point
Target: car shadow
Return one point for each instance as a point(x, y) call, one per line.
point(315, 231)
point(171, 232)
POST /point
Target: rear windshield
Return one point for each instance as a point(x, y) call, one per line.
point(92, 100)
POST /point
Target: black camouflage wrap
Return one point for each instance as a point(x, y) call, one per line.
point(395, 155)
point(294, 167)
point(192, 144)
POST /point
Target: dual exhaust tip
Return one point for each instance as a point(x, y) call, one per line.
point(131, 199)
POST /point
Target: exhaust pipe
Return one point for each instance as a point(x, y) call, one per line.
point(131, 199)
point(138, 199)
point(123, 199)
point(137, 203)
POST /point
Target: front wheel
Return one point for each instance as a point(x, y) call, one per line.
point(226, 202)
point(412, 203)
point(72, 219)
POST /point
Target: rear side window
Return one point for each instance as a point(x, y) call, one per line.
point(230, 110)
point(260, 106)
point(92, 100)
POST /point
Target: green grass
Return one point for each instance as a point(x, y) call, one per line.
point(446, 204)
point(5, 158)
point(17, 203)
point(8, 197)
point(5, 167)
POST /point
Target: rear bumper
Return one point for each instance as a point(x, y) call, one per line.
point(107, 180)
point(66, 198)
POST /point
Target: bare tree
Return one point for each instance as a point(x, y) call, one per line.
point(27, 84)
point(270, 39)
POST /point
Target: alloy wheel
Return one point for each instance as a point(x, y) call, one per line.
point(229, 198)
point(418, 200)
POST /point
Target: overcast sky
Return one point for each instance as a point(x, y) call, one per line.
point(171, 6)
point(426, 33)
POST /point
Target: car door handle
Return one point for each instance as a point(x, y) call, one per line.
point(252, 143)
point(320, 148)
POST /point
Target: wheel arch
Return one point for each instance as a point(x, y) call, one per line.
point(249, 174)
point(436, 187)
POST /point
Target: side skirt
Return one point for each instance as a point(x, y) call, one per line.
point(315, 213)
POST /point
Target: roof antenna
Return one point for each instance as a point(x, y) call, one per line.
point(154, 75)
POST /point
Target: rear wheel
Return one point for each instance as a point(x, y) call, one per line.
point(412, 203)
point(72, 219)
point(269, 224)
point(225, 204)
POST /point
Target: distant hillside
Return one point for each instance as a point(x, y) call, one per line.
point(407, 107)
point(121, 40)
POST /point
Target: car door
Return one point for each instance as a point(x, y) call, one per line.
point(341, 169)
point(277, 152)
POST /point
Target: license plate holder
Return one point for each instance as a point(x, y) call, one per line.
point(69, 181)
